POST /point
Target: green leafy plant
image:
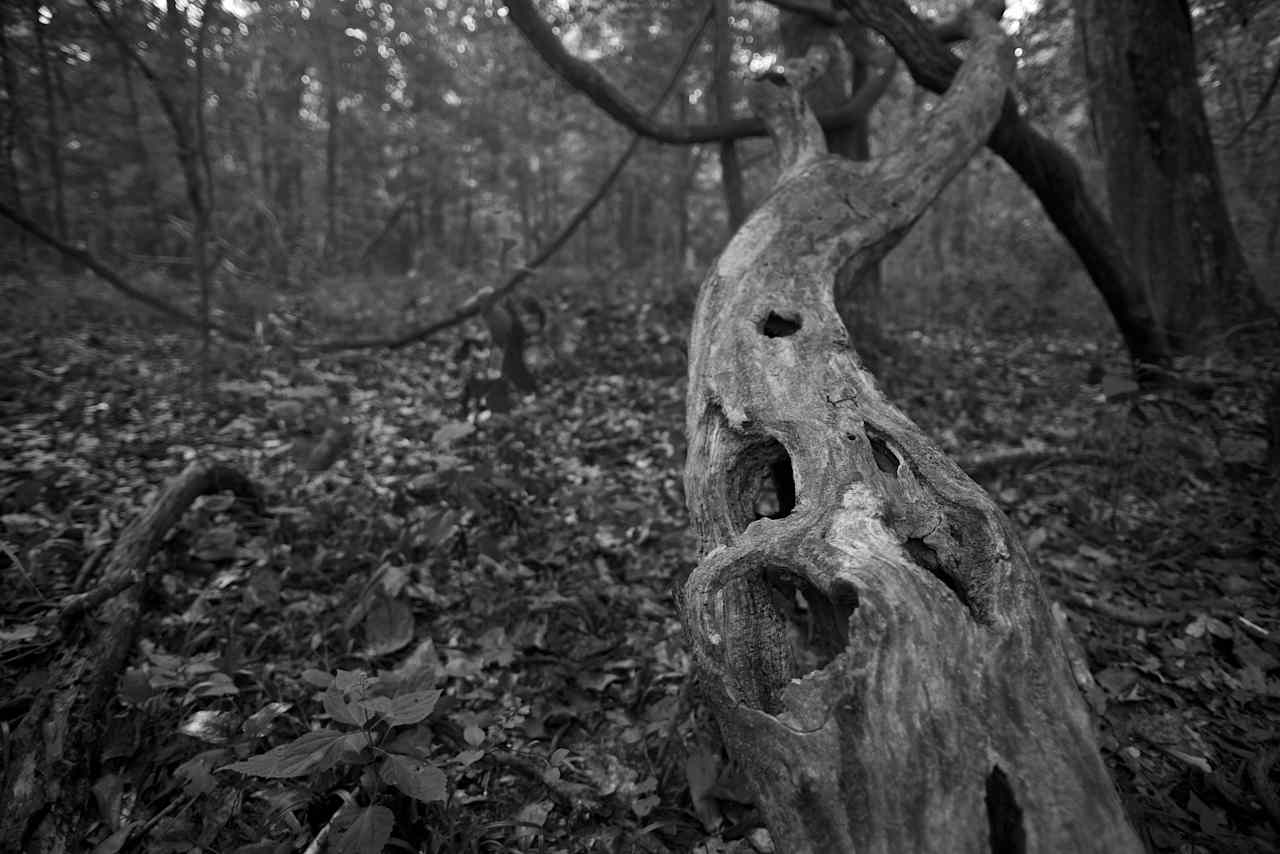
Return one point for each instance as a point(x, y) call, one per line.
point(378, 738)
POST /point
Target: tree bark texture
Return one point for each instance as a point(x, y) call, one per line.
point(878, 652)
point(1163, 184)
point(48, 780)
point(857, 298)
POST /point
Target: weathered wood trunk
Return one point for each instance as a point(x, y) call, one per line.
point(879, 654)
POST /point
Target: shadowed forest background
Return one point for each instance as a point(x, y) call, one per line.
point(397, 298)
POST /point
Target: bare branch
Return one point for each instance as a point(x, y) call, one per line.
point(114, 279)
point(816, 9)
point(948, 29)
point(1261, 108)
point(1045, 167)
point(586, 79)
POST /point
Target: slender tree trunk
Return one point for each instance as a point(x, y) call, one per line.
point(324, 11)
point(197, 171)
point(684, 182)
point(53, 147)
point(722, 84)
point(1162, 176)
point(468, 225)
point(146, 183)
point(435, 215)
point(12, 185)
point(286, 156)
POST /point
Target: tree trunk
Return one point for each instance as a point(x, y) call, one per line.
point(198, 173)
point(1047, 168)
point(12, 184)
point(878, 652)
point(331, 172)
point(856, 296)
point(1162, 177)
point(324, 13)
point(730, 167)
point(53, 145)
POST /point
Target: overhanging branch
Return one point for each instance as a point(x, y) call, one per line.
point(589, 81)
point(1045, 167)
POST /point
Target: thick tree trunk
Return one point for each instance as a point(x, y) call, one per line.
point(1163, 184)
point(878, 652)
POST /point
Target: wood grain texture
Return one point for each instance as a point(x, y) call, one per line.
point(880, 658)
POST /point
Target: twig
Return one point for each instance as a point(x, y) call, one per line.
point(1145, 618)
point(22, 570)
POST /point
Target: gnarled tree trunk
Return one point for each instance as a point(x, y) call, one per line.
point(878, 652)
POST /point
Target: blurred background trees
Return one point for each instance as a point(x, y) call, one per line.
point(350, 142)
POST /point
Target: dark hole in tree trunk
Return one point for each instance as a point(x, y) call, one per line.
point(777, 326)
point(818, 623)
point(761, 483)
point(927, 557)
point(1004, 816)
point(886, 460)
point(778, 493)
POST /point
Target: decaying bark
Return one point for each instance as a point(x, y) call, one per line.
point(47, 784)
point(879, 654)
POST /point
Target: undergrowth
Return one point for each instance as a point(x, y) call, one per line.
point(460, 634)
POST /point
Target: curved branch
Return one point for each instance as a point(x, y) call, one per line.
point(111, 277)
point(778, 100)
point(948, 29)
point(586, 79)
point(1045, 167)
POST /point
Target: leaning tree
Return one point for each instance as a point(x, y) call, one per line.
point(879, 654)
point(1047, 168)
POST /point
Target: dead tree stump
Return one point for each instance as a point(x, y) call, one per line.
point(879, 654)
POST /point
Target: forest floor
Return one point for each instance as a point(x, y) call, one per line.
point(512, 575)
